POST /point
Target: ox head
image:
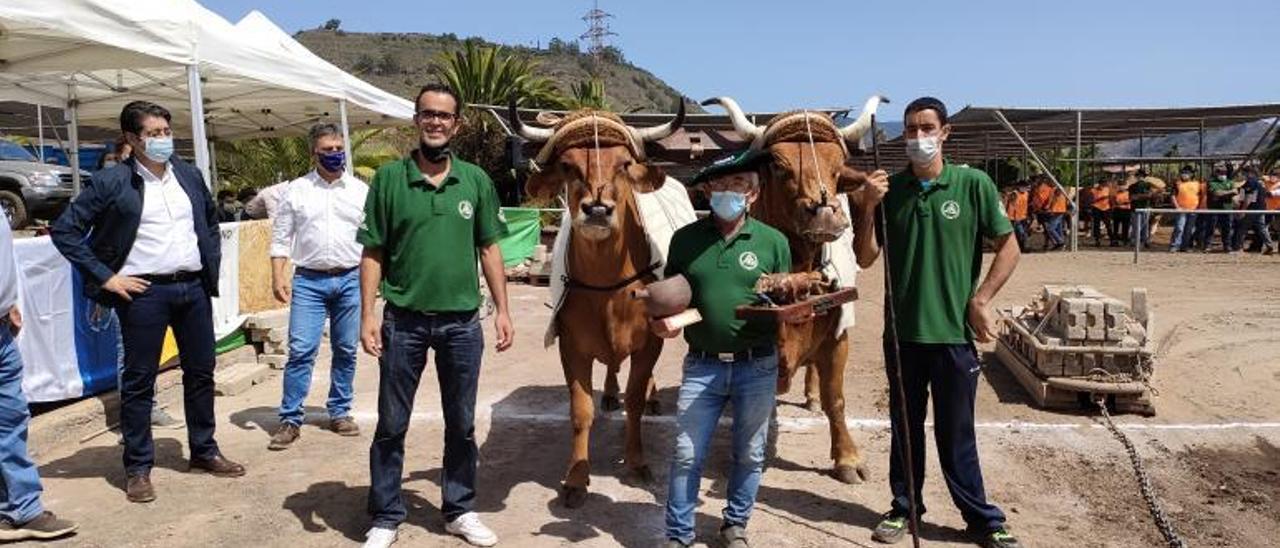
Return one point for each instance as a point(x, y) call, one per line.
point(599, 161)
point(799, 185)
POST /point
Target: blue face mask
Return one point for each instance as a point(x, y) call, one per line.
point(728, 205)
point(158, 149)
point(333, 162)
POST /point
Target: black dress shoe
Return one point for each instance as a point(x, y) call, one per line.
point(218, 466)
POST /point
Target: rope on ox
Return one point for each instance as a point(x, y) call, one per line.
point(892, 324)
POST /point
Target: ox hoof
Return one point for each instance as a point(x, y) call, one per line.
point(573, 496)
point(642, 475)
point(851, 475)
point(813, 405)
point(653, 407)
point(610, 403)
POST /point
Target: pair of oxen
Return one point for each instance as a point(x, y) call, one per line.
point(599, 163)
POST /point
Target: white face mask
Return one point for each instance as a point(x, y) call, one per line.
point(922, 151)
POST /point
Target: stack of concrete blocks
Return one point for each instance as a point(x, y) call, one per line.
point(1081, 316)
point(271, 330)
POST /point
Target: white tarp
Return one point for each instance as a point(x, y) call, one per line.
point(226, 306)
point(51, 366)
point(105, 53)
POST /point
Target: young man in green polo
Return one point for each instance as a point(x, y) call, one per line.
point(730, 360)
point(937, 214)
point(429, 218)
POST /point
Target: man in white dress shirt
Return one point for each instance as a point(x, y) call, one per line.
point(145, 239)
point(315, 227)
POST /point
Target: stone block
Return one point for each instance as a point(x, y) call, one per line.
point(1116, 318)
point(269, 319)
point(1072, 318)
point(239, 377)
point(1095, 321)
point(1139, 302)
point(274, 361)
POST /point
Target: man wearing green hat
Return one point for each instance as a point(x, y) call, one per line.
point(730, 360)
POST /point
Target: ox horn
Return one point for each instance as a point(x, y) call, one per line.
point(655, 133)
point(741, 124)
point(854, 132)
point(534, 134)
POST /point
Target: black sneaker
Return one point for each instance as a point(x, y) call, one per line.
point(891, 529)
point(46, 526)
point(1000, 538)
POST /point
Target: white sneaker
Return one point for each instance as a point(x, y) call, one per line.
point(468, 526)
point(379, 537)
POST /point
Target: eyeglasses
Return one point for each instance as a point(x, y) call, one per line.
point(439, 116)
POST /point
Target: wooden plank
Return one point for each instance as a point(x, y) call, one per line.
point(801, 311)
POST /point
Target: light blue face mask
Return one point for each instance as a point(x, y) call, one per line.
point(159, 149)
point(728, 205)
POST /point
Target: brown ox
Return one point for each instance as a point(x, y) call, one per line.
point(599, 162)
point(798, 196)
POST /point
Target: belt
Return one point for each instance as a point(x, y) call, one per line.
point(730, 357)
point(174, 278)
point(327, 271)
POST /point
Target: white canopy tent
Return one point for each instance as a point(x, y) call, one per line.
point(93, 56)
point(373, 105)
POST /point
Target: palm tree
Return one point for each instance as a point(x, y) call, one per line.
point(588, 94)
point(486, 75)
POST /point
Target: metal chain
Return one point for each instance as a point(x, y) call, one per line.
point(1144, 480)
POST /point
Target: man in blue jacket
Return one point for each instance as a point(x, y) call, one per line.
point(144, 238)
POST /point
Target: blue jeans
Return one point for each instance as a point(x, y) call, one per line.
point(951, 372)
point(316, 296)
point(185, 308)
point(1181, 235)
point(709, 384)
point(1020, 232)
point(458, 342)
point(1052, 223)
point(19, 478)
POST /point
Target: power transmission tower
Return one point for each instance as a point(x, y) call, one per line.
point(597, 30)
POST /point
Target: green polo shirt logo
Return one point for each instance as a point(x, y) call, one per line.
point(950, 209)
point(748, 260)
point(464, 209)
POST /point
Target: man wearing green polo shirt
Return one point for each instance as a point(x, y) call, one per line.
point(429, 218)
point(937, 214)
point(730, 360)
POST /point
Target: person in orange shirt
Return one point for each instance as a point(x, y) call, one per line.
point(1100, 211)
point(1016, 205)
point(1273, 199)
point(1186, 197)
point(1051, 209)
point(1121, 212)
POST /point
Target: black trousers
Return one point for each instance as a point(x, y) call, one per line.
point(185, 307)
point(952, 372)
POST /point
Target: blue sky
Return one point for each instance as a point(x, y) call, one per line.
point(781, 55)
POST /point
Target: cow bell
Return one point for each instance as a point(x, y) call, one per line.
point(666, 297)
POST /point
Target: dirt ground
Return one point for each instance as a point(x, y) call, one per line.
point(1213, 448)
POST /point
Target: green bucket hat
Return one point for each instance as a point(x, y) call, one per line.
point(745, 160)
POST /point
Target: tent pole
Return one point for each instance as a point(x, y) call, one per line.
point(40, 129)
point(213, 163)
point(73, 129)
point(1075, 213)
point(199, 140)
point(1027, 150)
point(346, 135)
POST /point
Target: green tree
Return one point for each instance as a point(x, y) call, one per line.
point(261, 162)
point(487, 75)
point(588, 94)
point(332, 24)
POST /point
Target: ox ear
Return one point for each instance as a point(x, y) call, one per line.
point(545, 185)
point(646, 178)
point(849, 180)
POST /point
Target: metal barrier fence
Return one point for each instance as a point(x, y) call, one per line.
point(1137, 242)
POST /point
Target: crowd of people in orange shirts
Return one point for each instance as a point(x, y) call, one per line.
point(1114, 205)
